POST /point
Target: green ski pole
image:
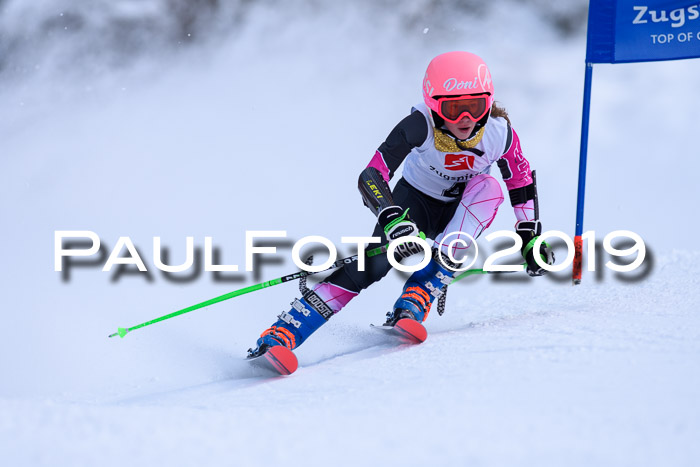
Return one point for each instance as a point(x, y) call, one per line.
point(121, 332)
point(471, 272)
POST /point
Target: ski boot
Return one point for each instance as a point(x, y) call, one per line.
point(307, 315)
point(293, 327)
point(289, 331)
point(421, 290)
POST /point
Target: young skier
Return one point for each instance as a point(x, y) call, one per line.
point(447, 144)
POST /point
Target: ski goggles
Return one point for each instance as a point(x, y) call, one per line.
point(453, 109)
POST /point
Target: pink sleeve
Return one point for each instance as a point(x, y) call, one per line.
point(517, 174)
point(378, 163)
point(514, 167)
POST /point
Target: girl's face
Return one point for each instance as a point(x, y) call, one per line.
point(462, 129)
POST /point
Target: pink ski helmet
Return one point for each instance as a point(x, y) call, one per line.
point(454, 74)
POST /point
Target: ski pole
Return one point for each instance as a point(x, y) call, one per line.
point(470, 272)
point(384, 248)
point(121, 332)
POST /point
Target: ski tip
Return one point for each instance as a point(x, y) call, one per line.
point(412, 330)
point(282, 360)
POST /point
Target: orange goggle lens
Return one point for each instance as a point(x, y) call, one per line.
point(454, 109)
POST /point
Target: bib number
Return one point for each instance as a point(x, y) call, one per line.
point(455, 191)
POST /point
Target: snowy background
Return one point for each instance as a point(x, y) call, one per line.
point(167, 118)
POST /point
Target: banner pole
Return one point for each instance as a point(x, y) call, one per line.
point(578, 241)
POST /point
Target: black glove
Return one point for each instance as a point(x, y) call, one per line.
point(529, 231)
point(396, 223)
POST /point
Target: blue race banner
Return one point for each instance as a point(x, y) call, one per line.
point(642, 30)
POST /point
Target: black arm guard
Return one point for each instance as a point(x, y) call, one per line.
point(375, 190)
point(523, 194)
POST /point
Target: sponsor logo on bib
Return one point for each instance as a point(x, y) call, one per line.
point(459, 161)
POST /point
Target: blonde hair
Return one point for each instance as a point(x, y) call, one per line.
point(498, 111)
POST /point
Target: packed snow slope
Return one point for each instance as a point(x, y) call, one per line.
point(268, 132)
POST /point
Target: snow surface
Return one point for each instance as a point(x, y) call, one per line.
point(267, 132)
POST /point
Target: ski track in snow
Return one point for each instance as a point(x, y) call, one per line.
point(556, 383)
